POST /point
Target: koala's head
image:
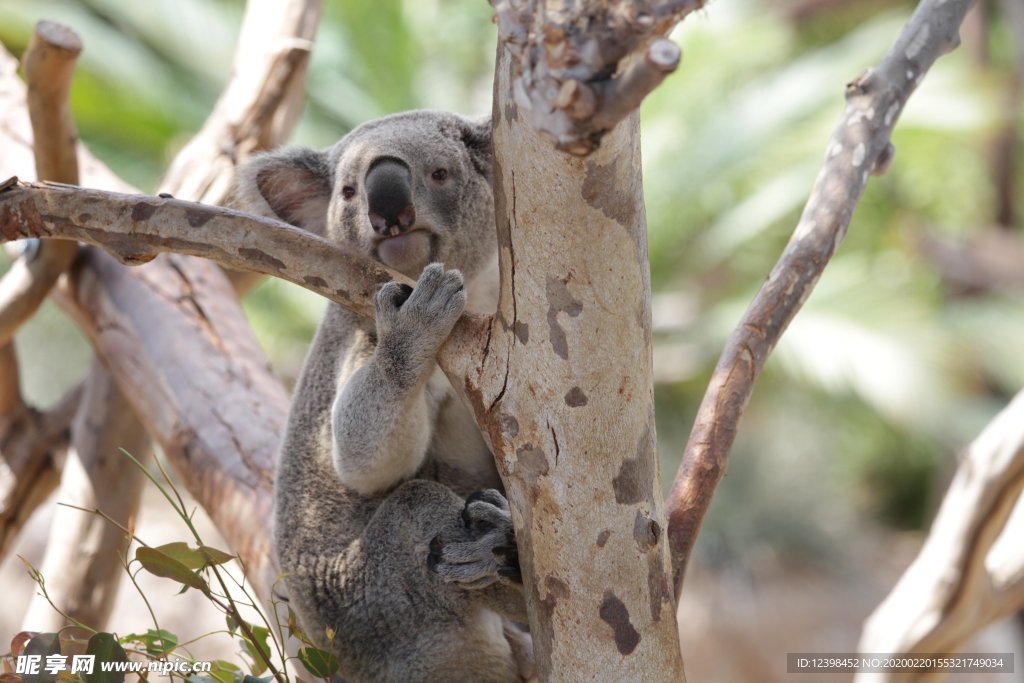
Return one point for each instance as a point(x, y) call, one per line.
point(407, 189)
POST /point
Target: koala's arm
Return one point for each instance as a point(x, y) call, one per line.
point(382, 419)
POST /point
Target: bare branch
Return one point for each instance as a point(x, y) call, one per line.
point(83, 552)
point(178, 344)
point(859, 146)
point(49, 66)
point(580, 68)
point(10, 381)
point(260, 105)
point(31, 443)
point(959, 583)
point(136, 228)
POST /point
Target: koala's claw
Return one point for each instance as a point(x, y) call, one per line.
point(484, 551)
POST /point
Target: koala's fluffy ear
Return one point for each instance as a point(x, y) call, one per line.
point(294, 182)
point(476, 135)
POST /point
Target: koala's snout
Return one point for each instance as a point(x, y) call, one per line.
point(389, 197)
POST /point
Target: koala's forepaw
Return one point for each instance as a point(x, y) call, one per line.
point(415, 321)
point(484, 550)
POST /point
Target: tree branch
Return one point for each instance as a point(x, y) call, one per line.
point(136, 228)
point(82, 564)
point(580, 68)
point(31, 444)
point(260, 105)
point(859, 146)
point(49, 66)
point(960, 581)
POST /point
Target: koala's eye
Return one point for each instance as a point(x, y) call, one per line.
point(348, 192)
point(440, 175)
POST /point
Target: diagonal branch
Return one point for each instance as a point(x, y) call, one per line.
point(31, 444)
point(961, 580)
point(135, 228)
point(260, 105)
point(859, 147)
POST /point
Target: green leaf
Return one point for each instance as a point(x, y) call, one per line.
point(106, 649)
point(319, 663)
point(225, 672)
point(215, 556)
point(157, 642)
point(254, 649)
point(179, 550)
point(294, 630)
point(159, 563)
point(194, 558)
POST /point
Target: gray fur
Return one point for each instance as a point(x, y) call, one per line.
point(378, 546)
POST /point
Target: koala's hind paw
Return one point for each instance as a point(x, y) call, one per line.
point(484, 550)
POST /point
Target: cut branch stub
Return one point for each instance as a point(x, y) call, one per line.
point(578, 72)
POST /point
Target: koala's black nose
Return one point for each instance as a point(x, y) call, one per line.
point(389, 196)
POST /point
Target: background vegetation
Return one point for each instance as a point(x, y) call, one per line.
point(886, 373)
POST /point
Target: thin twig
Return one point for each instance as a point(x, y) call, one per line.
point(859, 147)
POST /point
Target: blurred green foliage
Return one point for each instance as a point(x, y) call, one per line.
point(880, 380)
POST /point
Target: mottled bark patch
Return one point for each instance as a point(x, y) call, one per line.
point(509, 425)
point(315, 281)
point(560, 300)
point(511, 112)
point(84, 217)
point(575, 398)
point(522, 331)
point(23, 221)
point(604, 189)
point(143, 211)
point(614, 613)
point(635, 480)
point(197, 217)
point(602, 538)
point(531, 462)
point(262, 258)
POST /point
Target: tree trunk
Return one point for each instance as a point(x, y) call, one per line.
point(565, 395)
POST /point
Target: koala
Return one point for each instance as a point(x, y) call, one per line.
point(397, 546)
